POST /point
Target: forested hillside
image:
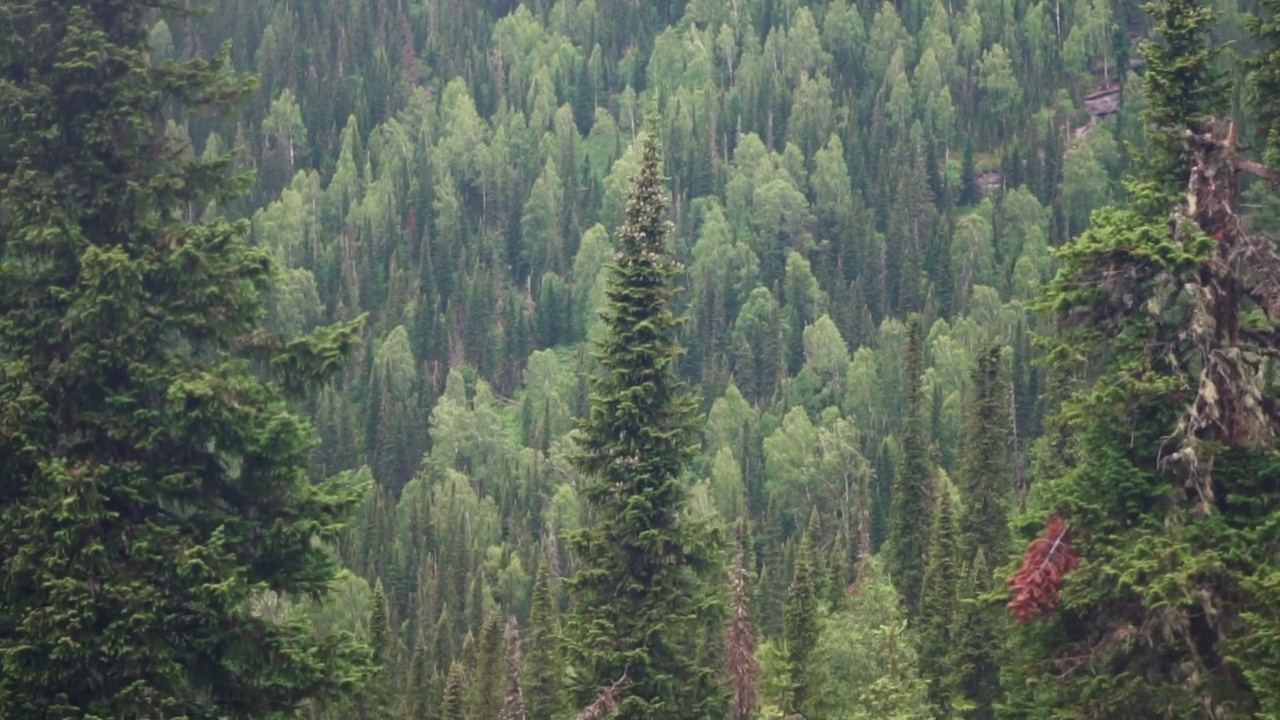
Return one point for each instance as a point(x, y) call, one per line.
point(972, 412)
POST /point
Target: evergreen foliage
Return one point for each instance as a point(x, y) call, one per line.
point(908, 542)
point(937, 603)
point(639, 595)
point(1170, 472)
point(802, 613)
point(489, 680)
point(451, 168)
point(543, 671)
point(984, 477)
point(155, 493)
point(1264, 78)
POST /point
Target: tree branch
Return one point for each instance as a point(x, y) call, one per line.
point(1254, 167)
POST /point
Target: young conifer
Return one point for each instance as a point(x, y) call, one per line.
point(543, 671)
point(801, 618)
point(489, 681)
point(152, 486)
point(641, 598)
point(908, 526)
point(937, 603)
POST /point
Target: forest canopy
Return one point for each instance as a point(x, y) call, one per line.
point(439, 360)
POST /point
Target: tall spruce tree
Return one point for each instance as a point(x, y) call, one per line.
point(985, 482)
point(801, 615)
point(489, 681)
point(1170, 491)
point(937, 604)
point(641, 598)
point(909, 527)
point(984, 478)
point(374, 700)
point(152, 487)
point(543, 671)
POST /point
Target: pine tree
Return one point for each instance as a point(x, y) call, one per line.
point(154, 488)
point(937, 601)
point(908, 541)
point(801, 618)
point(543, 672)
point(640, 593)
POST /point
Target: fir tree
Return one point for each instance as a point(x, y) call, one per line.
point(375, 696)
point(640, 594)
point(908, 541)
point(153, 487)
point(984, 478)
point(1264, 78)
point(489, 681)
point(455, 694)
point(1184, 89)
point(985, 483)
point(801, 618)
point(543, 672)
point(937, 601)
point(418, 696)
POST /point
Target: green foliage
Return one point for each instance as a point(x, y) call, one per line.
point(1183, 85)
point(937, 602)
point(543, 671)
point(802, 613)
point(1264, 77)
point(489, 680)
point(443, 165)
point(864, 665)
point(908, 542)
point(640, 603)
point(155, 489)
point(1162, 537)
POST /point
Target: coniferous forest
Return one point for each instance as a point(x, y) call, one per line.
point(663, 360)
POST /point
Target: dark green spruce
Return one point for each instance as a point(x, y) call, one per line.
point(153, 486)
point(909, 513)
point(641, 595)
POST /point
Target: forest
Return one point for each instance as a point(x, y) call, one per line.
point(662, 360)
